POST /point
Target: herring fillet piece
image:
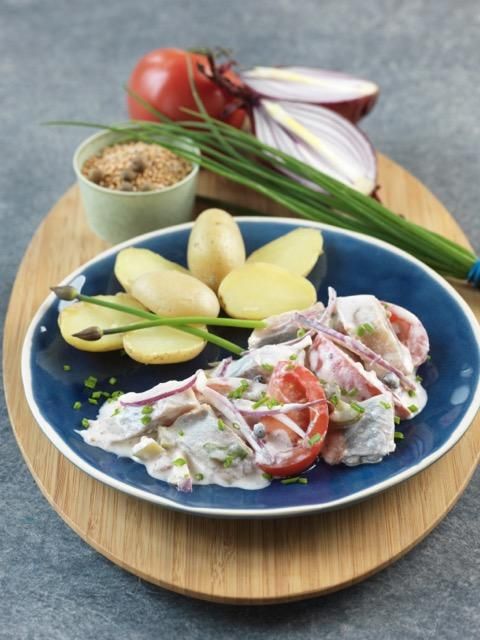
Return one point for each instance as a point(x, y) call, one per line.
point(281, 327)
point(368, 440)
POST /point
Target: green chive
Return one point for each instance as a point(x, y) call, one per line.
point(199, 476)
point(90, 382)
point(181, 433)
point(267, 476)
point(290, 480)
point(228, 461)
point(239, 391)
point(413, 408)
point(385, 405)
point(396, 419)
point(356, 407)
point(146, 420)
point(293, 356)
point(398, 435)
point(268, 368)
point(116, 412)
point(364, 328)
point(112, 380)
point(419, 378)
point(77, 405)
point(334, 399)
point(67, 367)
point(179, 462)
point(315, 438)
point(221, 425)
point(412, 393)
point(301, 332)
point(147, 409)
point(96, 395)
point(85, 423)
point(303, 481)
point(93, 401)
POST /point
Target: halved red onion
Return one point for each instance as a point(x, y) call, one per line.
point(319, 137)
point(351, 97)
point(159, 392)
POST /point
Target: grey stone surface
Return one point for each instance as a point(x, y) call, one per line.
point(69, 60)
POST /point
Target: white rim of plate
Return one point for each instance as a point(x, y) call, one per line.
point(352, 498)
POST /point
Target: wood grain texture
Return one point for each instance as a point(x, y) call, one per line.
point(227, 560)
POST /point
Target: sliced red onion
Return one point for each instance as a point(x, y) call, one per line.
point(330, 308)
point(221, 367)
point(320, 138)
point(352, 97)
point(355, 346)
point(246, 408)
point(159, 392)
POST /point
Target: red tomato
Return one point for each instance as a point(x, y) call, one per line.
point(295, 383)
point(161, 79)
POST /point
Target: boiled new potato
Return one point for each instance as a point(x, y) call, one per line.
point(215, 247)
point(132, 263)
point(258, 290)
point(171, 293)
point(162, 345)
point(296, 251)
point(81, 315)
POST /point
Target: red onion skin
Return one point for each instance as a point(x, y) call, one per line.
point(353, 110)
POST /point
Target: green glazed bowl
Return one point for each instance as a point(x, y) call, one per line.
point(115, 215)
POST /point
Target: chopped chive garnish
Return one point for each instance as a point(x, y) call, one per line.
point(364, 328)
point(293, 356)
point(322, 381)
point(77, 405)
point(270, 403)
point(115, 395)
point(181, 433)
point(221, 425)
point(228, 461)
point(419, 378)
point(239, 391)
point(93, 401)
point(385, 405)
point(398, 435)
point(413, 408)
point(301, 332)
point(268, 368)
point(179, 462)
point(105, 394)
point(396, 419)
point(96, 394)
point(90, 382)
point(315, 438)
point(412, 393)
point(67, 367)
point(146, 420)
point(429, 357)
point(85, 423)
point(112, 380)
point(116, 412)
point(353, 392)
point(199, 476)
point(147, 410)
point(267, 476)
point(303, 481)
point(290, 480)
point(356, 407)
point(334, 399)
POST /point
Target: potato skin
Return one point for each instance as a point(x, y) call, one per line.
point(259, 290)
point(171, 293)
point(162, 345)
point(81, 315)
point(215, 247)
point(133, 262)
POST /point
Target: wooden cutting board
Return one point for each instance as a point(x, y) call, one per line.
point(227, 560)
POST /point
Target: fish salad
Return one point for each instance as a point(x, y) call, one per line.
point(329, 382)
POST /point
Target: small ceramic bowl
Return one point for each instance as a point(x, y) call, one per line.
point(115, 215)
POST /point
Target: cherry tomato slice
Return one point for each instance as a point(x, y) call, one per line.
point(295, 383)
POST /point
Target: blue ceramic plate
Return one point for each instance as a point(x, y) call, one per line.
point(352, 263)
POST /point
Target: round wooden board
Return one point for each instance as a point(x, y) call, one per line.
point(227, 560)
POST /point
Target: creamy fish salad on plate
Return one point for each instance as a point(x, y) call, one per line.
point(331, 382)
